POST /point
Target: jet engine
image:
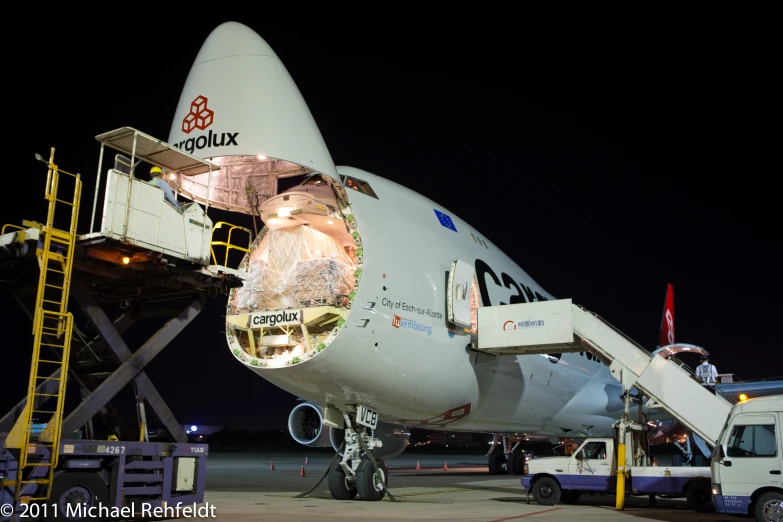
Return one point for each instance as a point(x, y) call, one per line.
point(305, 423)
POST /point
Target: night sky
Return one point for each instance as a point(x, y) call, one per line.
point(607, 153)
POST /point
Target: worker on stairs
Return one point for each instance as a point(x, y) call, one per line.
point(706, 373)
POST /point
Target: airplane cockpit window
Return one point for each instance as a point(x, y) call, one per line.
point(359, 186)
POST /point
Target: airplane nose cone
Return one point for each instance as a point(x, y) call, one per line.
point(239, 102)
point(233, 39)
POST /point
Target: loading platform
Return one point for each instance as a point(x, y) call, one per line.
point(149, 260)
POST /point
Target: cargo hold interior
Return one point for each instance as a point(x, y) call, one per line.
point(304, 259)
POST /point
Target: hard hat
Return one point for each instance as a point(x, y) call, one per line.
point(156, 170)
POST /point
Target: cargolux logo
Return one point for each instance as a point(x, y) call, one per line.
point(509, 325)
point(399, 322)
point(199, 117)
point(276, 318)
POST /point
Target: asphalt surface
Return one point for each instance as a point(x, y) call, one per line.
point(242, 487)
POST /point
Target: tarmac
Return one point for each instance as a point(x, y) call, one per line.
point(242, 487)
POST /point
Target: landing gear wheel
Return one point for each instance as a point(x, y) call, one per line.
point(339, 486)
point(75, 489)
point(699, 496)
point(546, 491)
point(570, 497)
point(769, 506)
point(370, 484)
point(497, 464)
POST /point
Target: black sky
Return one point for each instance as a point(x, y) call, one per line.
point(607, 152)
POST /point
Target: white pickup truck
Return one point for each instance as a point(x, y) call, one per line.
point(592, 469)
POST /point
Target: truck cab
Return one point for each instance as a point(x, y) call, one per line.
point(590, 469)
point(746, 464)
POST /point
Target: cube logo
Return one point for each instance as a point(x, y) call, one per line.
point(199, 117)
point(396, 321)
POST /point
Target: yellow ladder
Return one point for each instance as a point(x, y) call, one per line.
point(52, 327)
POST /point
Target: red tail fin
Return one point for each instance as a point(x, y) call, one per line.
point(667, 321)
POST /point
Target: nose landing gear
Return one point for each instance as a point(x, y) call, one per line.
point(358, 472)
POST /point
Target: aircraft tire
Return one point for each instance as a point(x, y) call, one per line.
point(367, 480)
point(338, 485)
point(497, 464)
point(546, 491)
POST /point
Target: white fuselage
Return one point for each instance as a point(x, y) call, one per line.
point(240, 102)
point(421, 373)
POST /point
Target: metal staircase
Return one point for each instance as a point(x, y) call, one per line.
point(53, 328)
point(560, 326)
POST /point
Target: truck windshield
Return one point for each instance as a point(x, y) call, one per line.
point(594, 450)
point(752, 441)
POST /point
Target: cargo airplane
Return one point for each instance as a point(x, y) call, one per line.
point(361, 295)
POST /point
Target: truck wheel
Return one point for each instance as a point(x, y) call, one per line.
point(570, 497)
point(546, 491)
point(338, 484)
point(769, 506)
point(74, 489)
point(370, 484)
point(699, 496)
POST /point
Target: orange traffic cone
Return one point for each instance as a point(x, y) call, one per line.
point(302, 474)
point(445, 466)
point(418, 465)
point(272, 466)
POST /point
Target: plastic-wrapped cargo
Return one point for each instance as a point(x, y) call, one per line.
point(296, 267)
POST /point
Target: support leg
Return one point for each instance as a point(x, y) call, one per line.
point(509, 452)
point(26, 299)
point(131, 368)
point(491, 457)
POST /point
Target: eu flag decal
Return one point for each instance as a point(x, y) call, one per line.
point(445, 220)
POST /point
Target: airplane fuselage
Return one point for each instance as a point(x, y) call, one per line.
point(397, 353)
point(392, 347)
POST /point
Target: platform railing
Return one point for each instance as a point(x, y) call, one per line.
point(229, 246)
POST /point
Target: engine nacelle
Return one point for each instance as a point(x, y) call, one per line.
point(306, 423)
point(394, 439)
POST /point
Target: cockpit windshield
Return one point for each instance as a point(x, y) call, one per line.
point(358, 185)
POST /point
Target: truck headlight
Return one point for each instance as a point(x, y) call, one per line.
point(716, 489)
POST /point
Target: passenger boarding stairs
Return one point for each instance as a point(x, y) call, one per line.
point(560, 326)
